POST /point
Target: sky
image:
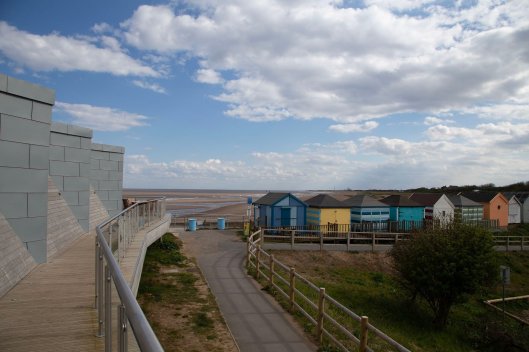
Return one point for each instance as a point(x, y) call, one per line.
point(290, 95)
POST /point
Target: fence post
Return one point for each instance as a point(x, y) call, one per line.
point(363, 334)
point(321, 241)
point(271, 264)
point(100, 294)
point(122, 329)
point(319, 320)
point(257, 260)
point(507, 243)
point(248, 253)
point(522, 242)
point(108, 310)
point(292, 288)
point(291, 239)
point(373, 242)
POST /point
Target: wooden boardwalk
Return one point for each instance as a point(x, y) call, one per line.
point(52, 309)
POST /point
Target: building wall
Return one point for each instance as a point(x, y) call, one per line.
point(374, 214)
point(70, 148)
point(443, 210)
point(406, 213)
point(106, 175)
point(25, 118)
point(525, 211)
point(339, 216)
point(514, 211)
point(313, 216)
point(469, 213)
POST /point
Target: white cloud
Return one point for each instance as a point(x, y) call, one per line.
point(354, 127)
point(150, 86)
point(55, 52)
point(432, 120)
point(312, 59)
point(208, 76)
point(101, 118)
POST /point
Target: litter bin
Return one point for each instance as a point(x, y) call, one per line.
point(221, 224)
point(192, 224)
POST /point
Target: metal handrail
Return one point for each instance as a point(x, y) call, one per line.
point(129, 309)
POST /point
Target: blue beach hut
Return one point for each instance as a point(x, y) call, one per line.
point(402, 208)
point(279, 209)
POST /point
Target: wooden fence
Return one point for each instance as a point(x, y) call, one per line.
point(492, 304)
point(209, 222)
point(287, 238)
point(332, 321)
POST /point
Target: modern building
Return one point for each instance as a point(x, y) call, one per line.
point(324, 210)
point(466, 210)
point(365, 209)
point(495, 206)
point(279, 209)
point(437, 206)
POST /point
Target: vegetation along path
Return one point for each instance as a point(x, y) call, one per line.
point(256, 321)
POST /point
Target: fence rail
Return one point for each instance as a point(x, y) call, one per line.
point(336, 240)
point(209, 222)
point(342, 327)
point(113, 237)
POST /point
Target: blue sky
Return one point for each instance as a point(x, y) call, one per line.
point(287, 94)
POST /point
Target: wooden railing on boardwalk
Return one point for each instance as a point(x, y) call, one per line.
point(209, 222)
point(333, 321)
point(337, 240)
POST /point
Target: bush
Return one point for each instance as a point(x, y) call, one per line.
point(443, 266)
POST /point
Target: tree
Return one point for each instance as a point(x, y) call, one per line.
point(445, 265)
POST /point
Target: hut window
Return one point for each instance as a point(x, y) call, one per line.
point(499, 207)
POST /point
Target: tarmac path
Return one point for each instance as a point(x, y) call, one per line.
point(256, 320)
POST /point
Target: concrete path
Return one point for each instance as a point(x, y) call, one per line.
point(255, 319)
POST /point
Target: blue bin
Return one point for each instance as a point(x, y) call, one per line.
point(192, 224)
point(221, 224)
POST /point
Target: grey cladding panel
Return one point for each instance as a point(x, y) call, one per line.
point(64, 168)
point(71, 197)
point(77, 155)
point(30, 229)
point(100, 155)
point(108, 165)
point(14, 205)
point(65, 140)
point(15, 106)
point(76, 184)
point(56, 153)
point(37, 204)
point(80, 131)
point(39, 157)
point(14, 154)
point(26, 131)
point(38, 250)
point(3, 83)
point(59, 127)
point(31, 91)
point(41, 112)
point(16, 180)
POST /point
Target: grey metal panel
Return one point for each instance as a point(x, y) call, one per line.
point(16, 180)
point(15, 106)
point(84, 197)
point(56, 153)
point(103, 195)
point(99, 174)
point(41, 112)
point(116, 156)
point(112, 148)
point(65, 140)
point(3, 83)
point(76, 184)
point(110, 204)
point(120, 166)
point(108, 165)
point(71, 197)
point(30, 229)
point(58, 181)
point(84, 170)
point(94, 164)
point(86, 143)
point(14, 205)
point(39, 250)
point(100, 155)
point(115, 195)
point(59, 127)
point(64, 168)
point(77, 155)
point(97, 146)
point(21, 130)
point(79, 131)
point(84, 223)
point(108, 185)
point(37, 204)
point(14, 154)
point(29, 90)
point(80, 211)
point(39, 157)
point(115, 175)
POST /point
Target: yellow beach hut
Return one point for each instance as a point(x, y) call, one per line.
point(324, 210)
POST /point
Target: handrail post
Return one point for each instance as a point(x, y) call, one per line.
point(122, 329)
point(108, 310)
point(271, 264)
point(100, 294)
point(319, 320)
point(96, 270)
point(363, 334)
point(292, 288)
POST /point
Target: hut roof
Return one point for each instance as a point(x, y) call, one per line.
point(426, 199)
point(325, 201)
point(462, 201)
point(480, 197)
point(272, 198)
point(363, 200)
point(399, 200)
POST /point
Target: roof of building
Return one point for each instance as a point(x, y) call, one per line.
point(520, 196)
point(363, 200)
point(462, 201)
point(325, 201)
point(426, 199)
point(399, 200)
point(272, 198)
point(480, 197)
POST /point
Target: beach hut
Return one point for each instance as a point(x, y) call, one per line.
point(366, 210)
point(466, 210)
point(495, 206)
point(324, 210)
point(523, 198)
point(437, 206)
point(403, 209)
point(279, 209)
point(515, 208)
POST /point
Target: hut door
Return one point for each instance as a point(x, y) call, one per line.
point(285, 216)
